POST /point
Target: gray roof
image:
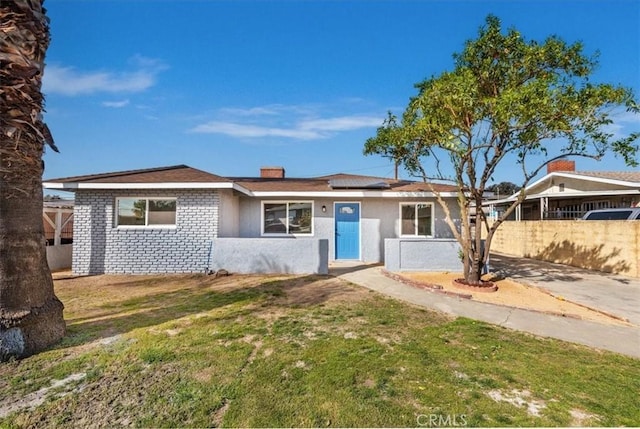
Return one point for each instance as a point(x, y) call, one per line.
point(358, 183)
point(625, 176)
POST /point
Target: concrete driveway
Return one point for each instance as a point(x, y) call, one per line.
point(611, 293)
point(620, 339)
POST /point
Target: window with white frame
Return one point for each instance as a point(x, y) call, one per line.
point(146, 212)
point(416, 219)
point(287, 217)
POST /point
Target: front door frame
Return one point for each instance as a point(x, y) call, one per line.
point(335, 230)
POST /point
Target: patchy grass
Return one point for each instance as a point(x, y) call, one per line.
point(246, 351)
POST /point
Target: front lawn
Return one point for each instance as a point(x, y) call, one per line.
point(246, 351)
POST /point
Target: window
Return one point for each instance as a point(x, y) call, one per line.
point(287, 217)
point(416, 219)
point(146, 212)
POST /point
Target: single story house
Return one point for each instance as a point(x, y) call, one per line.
point(564, 193)
point(180, 219)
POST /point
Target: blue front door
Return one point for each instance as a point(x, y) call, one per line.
point(347, 217)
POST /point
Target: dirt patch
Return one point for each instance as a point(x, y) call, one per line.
point(519, 398)
point(204, 375)
point(581, 418)
point(32, 400)
point(218, 416)
point(514, 294)
point(257, 345)
point(321, 291)
point(104, 297)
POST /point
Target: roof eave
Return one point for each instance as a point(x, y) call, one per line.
point(351, 194)
point(578, 176)
point(74, 186)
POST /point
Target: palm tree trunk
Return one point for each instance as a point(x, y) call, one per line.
point(30, 313)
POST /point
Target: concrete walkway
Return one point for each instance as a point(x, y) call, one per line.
point(621, 339)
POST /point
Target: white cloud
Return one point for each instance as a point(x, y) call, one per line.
point(623, 123)
point(277, 120)
point(68, 81)
point(268, 110)
point(626, 117)
point(116, 104)
point(254, 111)
point(142, 62)
point(342, 123)
point(71, 81)
point(254, 131)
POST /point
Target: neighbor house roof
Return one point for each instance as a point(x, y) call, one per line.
point(621, 182)
point(625, 179)
point(623, 176)
point(183, 177)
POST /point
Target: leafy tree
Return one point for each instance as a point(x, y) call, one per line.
point(508, 100)
point(30, 314)
point(503, 189)
point(389, 142)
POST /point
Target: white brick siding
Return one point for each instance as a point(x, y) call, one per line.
point(101, 248)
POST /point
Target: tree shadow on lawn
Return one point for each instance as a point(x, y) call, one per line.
point(120, 316)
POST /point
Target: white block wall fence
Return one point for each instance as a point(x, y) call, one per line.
point(59, 257)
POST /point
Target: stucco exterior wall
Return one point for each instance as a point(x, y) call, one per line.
point(406, 254)
point(229, 222)
point(379, 219)
point(271, 255)
point(249, 217)
point(609, 246)
point(101, 247)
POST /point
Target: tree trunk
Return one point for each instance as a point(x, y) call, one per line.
point(30, 313)
point(476, 252)
point(474, 260)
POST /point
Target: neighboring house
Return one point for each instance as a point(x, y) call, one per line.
point(180, 219)
point(568, 194)
point(57, 216)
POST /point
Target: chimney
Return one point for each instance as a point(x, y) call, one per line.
point(561, 165)
point(272, 172)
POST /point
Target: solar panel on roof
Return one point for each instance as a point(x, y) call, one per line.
point(358, 183)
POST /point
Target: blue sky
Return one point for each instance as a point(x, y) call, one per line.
point(229, 86)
